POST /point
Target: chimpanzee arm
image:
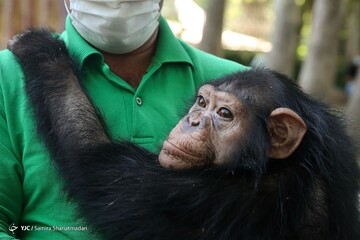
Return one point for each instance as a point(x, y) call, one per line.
point(66, 120)
point(64, 115)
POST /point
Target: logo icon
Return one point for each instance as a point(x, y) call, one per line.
point(13, 228)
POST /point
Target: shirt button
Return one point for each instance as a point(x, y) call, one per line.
point(138, 101)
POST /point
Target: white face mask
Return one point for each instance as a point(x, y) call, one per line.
point(115, 26)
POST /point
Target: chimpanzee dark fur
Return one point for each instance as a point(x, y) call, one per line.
point(124, 193)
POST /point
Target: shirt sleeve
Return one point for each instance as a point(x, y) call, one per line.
point(11, 173)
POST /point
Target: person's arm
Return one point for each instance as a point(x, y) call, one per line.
point(11, 175)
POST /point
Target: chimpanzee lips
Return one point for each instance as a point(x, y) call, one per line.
point(172, 156)
point(181, 152)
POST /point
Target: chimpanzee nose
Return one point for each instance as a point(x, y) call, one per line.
point(194, 120)
point(197, 120)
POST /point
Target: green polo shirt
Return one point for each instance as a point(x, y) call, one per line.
point(31, 196)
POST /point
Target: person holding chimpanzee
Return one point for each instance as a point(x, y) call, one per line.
point(254, 157)
point(138, 74)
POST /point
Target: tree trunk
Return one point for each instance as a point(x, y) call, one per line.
point(43, 6)
point(285, 37)
point(319, 69)
point(63, 14)
point(211, 39)
point(6, 20)
point(353, 42)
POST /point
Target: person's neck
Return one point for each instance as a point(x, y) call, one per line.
point(133, 65)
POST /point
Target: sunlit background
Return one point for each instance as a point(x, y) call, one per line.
point(247, 23)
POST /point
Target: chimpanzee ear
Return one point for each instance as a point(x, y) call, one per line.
point(286, 130)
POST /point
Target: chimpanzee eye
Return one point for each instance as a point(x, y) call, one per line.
point(225, 113)
point(201, 101)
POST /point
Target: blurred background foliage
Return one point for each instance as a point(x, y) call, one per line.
point(313, 41)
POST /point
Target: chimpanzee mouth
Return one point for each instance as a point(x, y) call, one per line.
point(180, 153)
point(172, 156)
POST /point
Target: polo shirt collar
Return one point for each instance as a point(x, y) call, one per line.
point(169, 48)
point(77, 45)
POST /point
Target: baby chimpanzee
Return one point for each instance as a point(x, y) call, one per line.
point(255, 158)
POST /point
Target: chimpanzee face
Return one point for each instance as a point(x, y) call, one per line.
point(208, 134)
